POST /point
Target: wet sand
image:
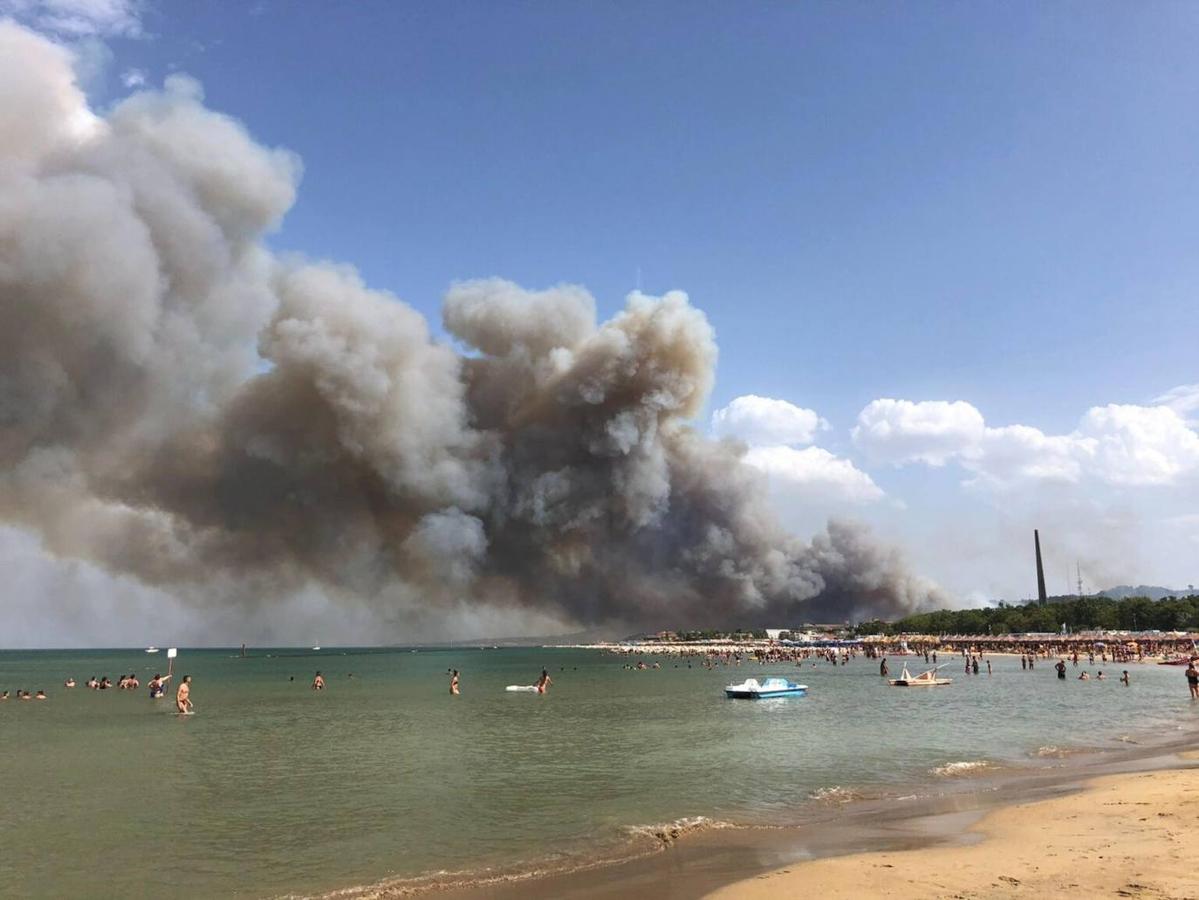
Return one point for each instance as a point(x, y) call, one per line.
point(1122, 836)
point(1109, 820)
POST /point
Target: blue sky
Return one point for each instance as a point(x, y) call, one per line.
point(988, 203)
point(994, 203)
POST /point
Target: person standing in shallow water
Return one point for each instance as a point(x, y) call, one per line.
point(882, 668)
point(183, 699)
point(158, 686)
point(318, 682)
point(1193, 679)
point(544, 682)
point(454, 683)
point(1061, 668)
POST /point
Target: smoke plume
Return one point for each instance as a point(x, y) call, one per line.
point(179, 405)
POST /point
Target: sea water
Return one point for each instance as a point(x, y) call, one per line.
point(272, 788)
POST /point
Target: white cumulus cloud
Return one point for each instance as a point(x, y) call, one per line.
point(775, 430)
point(1117, 445)
point(1139, 445)
point(133, 78)
point(78, 18)
point(815, 473)
point(931, 431)
point(766, 420)
point(1184, 400)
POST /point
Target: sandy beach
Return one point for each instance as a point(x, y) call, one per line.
point(1124, 836)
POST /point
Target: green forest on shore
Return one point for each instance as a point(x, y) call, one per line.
point(1076, 613)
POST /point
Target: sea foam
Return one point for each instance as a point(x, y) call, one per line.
point(962, 767)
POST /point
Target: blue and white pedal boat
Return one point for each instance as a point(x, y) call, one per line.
point(752, 689)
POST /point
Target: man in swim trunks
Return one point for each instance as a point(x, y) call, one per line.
point(1193, 679)
point(1061, 668)
point(183, 700)
point(544, 682)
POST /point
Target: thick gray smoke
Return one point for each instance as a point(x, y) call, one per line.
point(179, 405)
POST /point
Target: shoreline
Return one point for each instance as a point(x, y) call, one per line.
point(714, 861)
point(1121, 835)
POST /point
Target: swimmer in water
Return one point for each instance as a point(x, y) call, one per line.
point(454, 683)
point(544, 682)
point(1124, 678)
point(70, 682)
point(318, 682)
point(41, 695)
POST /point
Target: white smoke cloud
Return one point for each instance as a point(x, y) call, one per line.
point(133, 78)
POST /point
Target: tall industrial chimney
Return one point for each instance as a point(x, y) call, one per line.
point(1041, 598)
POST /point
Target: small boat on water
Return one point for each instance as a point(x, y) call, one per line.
point(924, 679)
point(151, 649)
point(752, 689)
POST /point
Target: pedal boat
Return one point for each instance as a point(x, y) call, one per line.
point(752, 689)
point(924, 679)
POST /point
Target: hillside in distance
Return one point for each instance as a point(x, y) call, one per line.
point(1152, 591)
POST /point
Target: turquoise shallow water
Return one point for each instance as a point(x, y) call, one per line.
point(272, 788)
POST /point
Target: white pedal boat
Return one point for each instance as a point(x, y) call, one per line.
point(752, 689)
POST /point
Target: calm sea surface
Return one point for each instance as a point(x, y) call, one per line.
point(272, 788)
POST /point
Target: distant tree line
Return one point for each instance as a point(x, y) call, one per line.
point(713, 634)
point(1078, 614)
